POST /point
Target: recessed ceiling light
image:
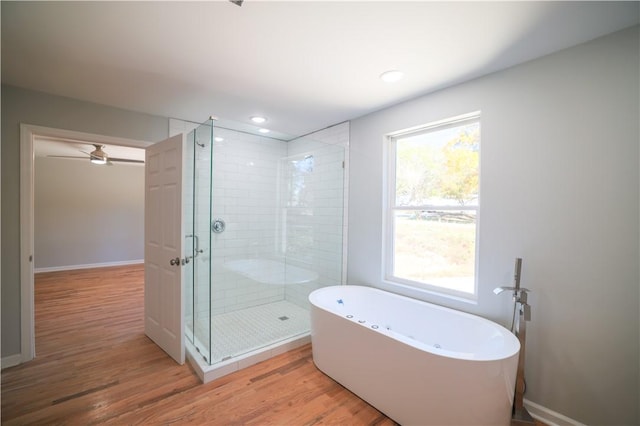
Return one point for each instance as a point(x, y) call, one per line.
point(264, 130)
point(218, 139)
point(391, 76)
point(257, 119)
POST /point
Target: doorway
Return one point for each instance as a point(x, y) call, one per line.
point(28, 136)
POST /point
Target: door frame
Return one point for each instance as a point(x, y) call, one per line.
point(28, 133)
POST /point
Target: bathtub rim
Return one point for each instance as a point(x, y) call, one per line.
point(512, 343)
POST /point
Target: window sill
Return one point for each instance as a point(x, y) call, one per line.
point(428, 295)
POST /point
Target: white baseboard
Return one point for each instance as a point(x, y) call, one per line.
point(88, 266)
point(11, 361)
point(548, 416)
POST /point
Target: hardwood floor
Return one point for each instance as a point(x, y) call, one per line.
point(95, 365)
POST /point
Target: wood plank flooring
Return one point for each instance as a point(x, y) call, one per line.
point(94, 365)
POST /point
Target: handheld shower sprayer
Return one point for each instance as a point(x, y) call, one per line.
point(519, 293)
point(519, 296)
point(518, 327)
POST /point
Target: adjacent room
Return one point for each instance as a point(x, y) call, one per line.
point(370, 212)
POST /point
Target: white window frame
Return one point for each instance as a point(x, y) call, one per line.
point(390, 208)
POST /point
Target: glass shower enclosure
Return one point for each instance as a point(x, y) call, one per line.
point(198, 153)
point(264, 221)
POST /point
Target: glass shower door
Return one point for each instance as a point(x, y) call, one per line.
point(198, 238)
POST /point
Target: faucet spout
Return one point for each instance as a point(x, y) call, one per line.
point(499, 290)
point(517, 291)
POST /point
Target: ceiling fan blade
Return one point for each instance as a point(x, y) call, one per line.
point(126, 160)
point(65, 156)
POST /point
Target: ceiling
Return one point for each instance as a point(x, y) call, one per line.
point(304, 65)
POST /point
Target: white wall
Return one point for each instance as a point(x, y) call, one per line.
point(87, 214)
point(559, 188)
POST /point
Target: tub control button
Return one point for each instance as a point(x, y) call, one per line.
point(361, 321)
point(349, 316)
point(375, 327)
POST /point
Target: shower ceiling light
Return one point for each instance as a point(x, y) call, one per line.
point(218, 139)
point(258, 120)
point(263, 130)
point(391, 76)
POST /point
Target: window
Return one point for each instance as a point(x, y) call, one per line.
point(432, 208)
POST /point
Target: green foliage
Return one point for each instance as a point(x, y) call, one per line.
point(426, 171)
point(460, 178)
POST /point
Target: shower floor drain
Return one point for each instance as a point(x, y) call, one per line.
point(283, 318)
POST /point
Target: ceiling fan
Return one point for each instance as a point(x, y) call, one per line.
point(99, 156)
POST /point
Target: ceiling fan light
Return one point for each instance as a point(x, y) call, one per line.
point(98, 156)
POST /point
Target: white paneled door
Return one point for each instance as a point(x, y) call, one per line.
point(163, 260)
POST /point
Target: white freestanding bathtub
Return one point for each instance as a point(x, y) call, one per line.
point(418, 363)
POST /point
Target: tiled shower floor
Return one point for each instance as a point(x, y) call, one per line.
point(236, 333)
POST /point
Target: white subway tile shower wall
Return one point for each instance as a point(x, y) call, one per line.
point(252, 181)
point(244, 196)
point(340, 135)
point(321, 215)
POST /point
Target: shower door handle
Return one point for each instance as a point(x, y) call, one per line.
point(196, 250)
